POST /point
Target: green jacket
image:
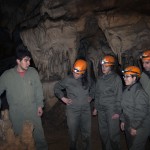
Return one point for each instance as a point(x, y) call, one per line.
point(108, 92)
point(145, 81)
point(135, 105)
point(24, 95)
point(74, 91)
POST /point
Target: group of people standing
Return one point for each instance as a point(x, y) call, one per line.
point(117, 106)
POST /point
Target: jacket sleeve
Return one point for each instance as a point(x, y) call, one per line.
point(92, 90)
point(38, 90)
point(59, 89)
point(118, 91)
point(140, 110)
point(96, 96)
point(2, 85)
point(122, 119)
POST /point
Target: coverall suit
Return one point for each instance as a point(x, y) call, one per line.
point(135, 105)
point(108, 95)
point(24, 96)
point(78, 113)
point(145, 81)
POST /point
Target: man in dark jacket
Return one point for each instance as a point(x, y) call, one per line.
point(24, 95)
point(145, 77)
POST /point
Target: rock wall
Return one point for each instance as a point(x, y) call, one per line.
point(54, 48)
point(126, 33)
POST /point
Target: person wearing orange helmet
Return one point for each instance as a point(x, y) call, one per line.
point(108, 95)
point(135, 106)
point(77, 100)
point(145, 77)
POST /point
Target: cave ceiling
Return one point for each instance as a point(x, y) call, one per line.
point(58, 31)
point(109, 21)
point(17, 12)
point(26, 13)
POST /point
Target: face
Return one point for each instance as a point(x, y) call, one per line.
point(129, 80)
point(106, 69)
point(23, 64)
point(146, 65)
point(76, 75)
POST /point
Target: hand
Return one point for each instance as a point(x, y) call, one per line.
point(133, 132)
point(115, 116)
point(94, 113)
point(40, 111)
point(67, 101)
point(122, 126)
point(89, 99)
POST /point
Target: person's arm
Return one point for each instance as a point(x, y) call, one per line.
point(118, 91)
point(38, 93)
point(92, 96)
point(92, 90)
point(2, 85)
point(96, 98)
point(122, 124)
point(141, 109)
point(58, 90)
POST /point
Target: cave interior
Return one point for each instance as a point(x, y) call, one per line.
point(57, 32)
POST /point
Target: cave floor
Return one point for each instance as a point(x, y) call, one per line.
point(57, 137)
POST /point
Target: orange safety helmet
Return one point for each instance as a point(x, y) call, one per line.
point(132, 70)
point(146, 55)
point(80, 66)
point(108, 61)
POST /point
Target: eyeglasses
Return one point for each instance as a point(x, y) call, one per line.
point(126, 76)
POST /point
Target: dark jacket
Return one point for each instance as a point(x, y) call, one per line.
point(74, 90)
point(108, 92)
point(135, 105)
point(145, 81)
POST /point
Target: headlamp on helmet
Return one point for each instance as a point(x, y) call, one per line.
point(108, 60)
point(145, 55)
